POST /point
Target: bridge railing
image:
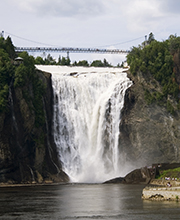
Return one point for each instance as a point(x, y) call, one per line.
point(72, 50)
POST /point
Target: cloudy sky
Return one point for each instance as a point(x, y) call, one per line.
point(117, 24)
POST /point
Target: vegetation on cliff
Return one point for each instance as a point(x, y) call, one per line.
point(170, 173)
point(23, 76)
point(26, 77)
point(27, 149)
point(158, 59)
point(7, 53)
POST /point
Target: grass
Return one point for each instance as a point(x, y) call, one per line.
point(173, 173)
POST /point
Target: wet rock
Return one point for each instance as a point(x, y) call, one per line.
point(28, 153)
point(148, 132)
point(116, 180)
point(138, 176)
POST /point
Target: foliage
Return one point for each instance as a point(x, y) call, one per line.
point(154, 96)
point(65, 61)
point(174, 44)
point(156, 58)
point(39, 61)
point(151, 38)
point(6, 74)
point(81, 63)
point(22, 76)
point(25, 71)
point(49, 60)
point(26, 75)
point(8, 47)
point(106, 64)
point(99, 63)
point(28, 61)
point(173, 173)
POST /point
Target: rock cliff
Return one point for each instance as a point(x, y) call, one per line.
point(149, 133)
point(27, 150)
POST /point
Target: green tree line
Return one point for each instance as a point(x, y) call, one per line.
point(65, 61)
point(7, 53)
point(23, 76)
point(156, 58)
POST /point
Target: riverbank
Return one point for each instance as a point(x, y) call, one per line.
point(26, 185)
point(161, 189)
point(161, 193)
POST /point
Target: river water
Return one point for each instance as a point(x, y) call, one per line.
point(83, 201)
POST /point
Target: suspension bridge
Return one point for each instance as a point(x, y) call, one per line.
point(68, 50)
point(71, 50)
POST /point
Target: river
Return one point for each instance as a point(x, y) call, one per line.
point(83, 201)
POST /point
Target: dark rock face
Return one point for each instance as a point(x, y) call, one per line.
point(116, 180)
point(138, 176)
point(148, 132)
point(27, 152)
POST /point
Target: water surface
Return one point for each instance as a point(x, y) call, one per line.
point(83, 201)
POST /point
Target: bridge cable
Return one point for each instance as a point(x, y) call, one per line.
point(122, 42)
point(58, 46)
point(29, 40)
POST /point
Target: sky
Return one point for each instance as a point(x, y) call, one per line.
point(110, 24)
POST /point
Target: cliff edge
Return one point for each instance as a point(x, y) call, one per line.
point(27, 150)
point(149, 133)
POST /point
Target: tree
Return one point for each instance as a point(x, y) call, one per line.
point(49, 60)
point(97, 63)
point(174, 44)
point(39, 60)
point(151, 38)
point(20, 76)
point(6, 75)
point(157, 60)
point(10, 48)
point(65, 61)
point(82, 63)
point(106, 64)
point(59, 60)
point(28, 60)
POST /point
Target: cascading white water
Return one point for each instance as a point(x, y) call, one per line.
point(87, 106)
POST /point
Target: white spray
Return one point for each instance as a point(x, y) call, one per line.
point(87, 108)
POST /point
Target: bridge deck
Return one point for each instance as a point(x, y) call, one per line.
point(72, 50)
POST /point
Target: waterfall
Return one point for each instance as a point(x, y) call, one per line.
point(87, 107)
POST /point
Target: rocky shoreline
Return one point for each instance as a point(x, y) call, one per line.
point(161, 193)
point(161, 190)
point(167, 188)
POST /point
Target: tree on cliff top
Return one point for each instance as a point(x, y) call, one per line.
point(8, 46)
point(151, 38)
point(174, 44)
point(156, 58)
point(6, 73)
